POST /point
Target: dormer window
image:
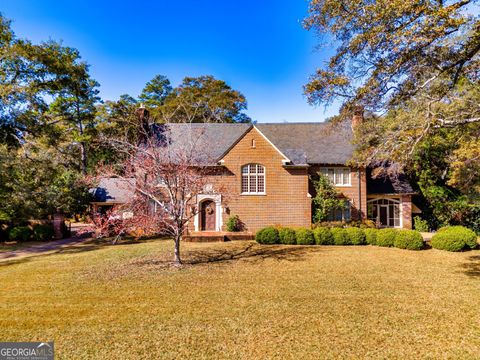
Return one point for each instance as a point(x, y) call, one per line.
point(253, 179)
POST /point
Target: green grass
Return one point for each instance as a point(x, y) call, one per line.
point(244, 301)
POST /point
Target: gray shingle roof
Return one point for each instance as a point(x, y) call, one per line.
point(114, 190)
point(302, 143)
point(388, 184)
point(311, 143)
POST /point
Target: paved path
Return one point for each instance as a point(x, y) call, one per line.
point(41, 248)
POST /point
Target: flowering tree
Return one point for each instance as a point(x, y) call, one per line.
point(167, 170)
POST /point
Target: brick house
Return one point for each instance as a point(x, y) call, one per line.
point(265, 172)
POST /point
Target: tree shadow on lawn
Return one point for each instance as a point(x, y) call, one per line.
point(251, 252)
point(472, 268)
point(88, 245)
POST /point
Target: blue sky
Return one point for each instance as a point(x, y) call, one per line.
point(258, 47)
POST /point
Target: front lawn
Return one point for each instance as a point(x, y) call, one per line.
point(242, 300)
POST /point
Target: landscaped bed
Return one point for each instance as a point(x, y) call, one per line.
point(245, 300)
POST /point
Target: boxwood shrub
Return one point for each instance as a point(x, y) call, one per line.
point(356, 236)
point(409, 239)
point(340, 236)
point(268, 235)
point(323, 236)
point(43, 232)
point(19, 233)
point(287, 236)
point(386, 237)
point(454, 238)
point(305, 237)
point(371, 236)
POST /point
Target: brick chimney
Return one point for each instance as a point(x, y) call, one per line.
point(357, 118)
point(143, 116)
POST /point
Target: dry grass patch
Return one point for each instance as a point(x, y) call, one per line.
point(243, 300)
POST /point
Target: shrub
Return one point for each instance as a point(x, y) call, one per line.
point(419, 224)
point(331, 224)
point(356, 236)
point(268, 235)
point(386, 237)
point(234, 224)
point(43, 232)
point(305, 237)
point(287, 236)
point(371, 236)
point(454, 238)
point(409, 239)
point(340, 236)
point(323, 236)
point(19, 233)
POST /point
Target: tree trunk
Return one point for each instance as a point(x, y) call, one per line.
point(177, 259)
point(83, 155)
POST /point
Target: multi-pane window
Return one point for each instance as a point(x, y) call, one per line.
point(385, 212)
point(341, 214)
point(253, 179)
point(339, 176)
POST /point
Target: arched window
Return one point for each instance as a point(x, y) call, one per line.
point(253, 179)
point(385, 212)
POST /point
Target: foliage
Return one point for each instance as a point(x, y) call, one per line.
point(268, 235)
point(454, 238)
point(326, 198)
point(386, 237)
point(371, 236)
point(305, 237)
point(156, 91)
point(323, 236)
point(287, 236)
point(43, 232)
point(234, 223)
point(419, 224)
point(204, 99)
point(409, 239)
point(340, 236)
point(356, 235)
point(19, 233)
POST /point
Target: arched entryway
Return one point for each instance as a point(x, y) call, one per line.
point(208, 215)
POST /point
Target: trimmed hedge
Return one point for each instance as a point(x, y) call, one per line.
point(409, 239)
point(305, 237)
point(19, 233)
point(371, 236)
point(43, 232)
point(356, 236)
point(386, 237)
point(454, 238)
point(323, 236)
point(340, 236)
point(268, 235)
point(287, 236)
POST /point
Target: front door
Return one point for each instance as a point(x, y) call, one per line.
point(208, 215)
point(383, 215)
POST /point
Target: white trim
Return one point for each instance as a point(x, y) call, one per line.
point(334, 168)
point(286, 158)
point(217, 198)
point(397, 200)
point(264, 192)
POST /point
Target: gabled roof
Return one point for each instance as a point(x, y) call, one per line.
point(301, 143)
point(311, 143)
point(114, 190)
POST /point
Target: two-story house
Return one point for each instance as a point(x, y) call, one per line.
point(267, 171)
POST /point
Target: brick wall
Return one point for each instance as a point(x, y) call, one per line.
point(406, 211)
point(358, 198)
point(286, 201)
